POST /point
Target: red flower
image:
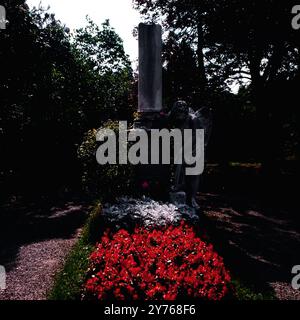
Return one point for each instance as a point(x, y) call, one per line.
point(166, 263)
point(145, 185)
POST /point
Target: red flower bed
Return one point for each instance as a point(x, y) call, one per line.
point(164, 264)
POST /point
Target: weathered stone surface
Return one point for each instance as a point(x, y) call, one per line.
point(150, 68)
point(2, 18)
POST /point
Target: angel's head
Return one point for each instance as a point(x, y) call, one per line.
point(179, 112)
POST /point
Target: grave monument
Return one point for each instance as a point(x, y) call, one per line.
point(149, 109)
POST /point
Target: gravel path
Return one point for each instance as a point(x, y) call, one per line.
point(32, 260)
point(35, 268)
point(261, 244)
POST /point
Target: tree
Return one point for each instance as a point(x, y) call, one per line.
point(51, 94)
point(179, 80)
point(237, 42)
point(257, 44)
point(102, 51)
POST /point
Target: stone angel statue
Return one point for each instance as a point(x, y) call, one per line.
point(183, 117)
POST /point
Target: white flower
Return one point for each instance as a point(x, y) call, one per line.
point(148, 212)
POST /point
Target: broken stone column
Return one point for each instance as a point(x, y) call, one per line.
point(150, 68)
point(2, 18)
point(150, 103)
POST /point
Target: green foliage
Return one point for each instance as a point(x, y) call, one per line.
point(102, 47)
point(52, 90)
point(106, 181)
point(69, 281)
point(245, 293)
point(180, 70)
point(101, 50)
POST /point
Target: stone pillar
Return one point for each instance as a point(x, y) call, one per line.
point(150, 105)
point(150, 68)
point(2, 18)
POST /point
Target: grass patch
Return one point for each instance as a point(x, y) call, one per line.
point(68, 282)
point(245, 292)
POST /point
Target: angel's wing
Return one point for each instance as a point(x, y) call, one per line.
point(204, 117)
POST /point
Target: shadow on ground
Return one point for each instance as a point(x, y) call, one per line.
point(35, 222)
point(260, 244)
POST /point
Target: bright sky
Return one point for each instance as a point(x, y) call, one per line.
point(120, 13)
